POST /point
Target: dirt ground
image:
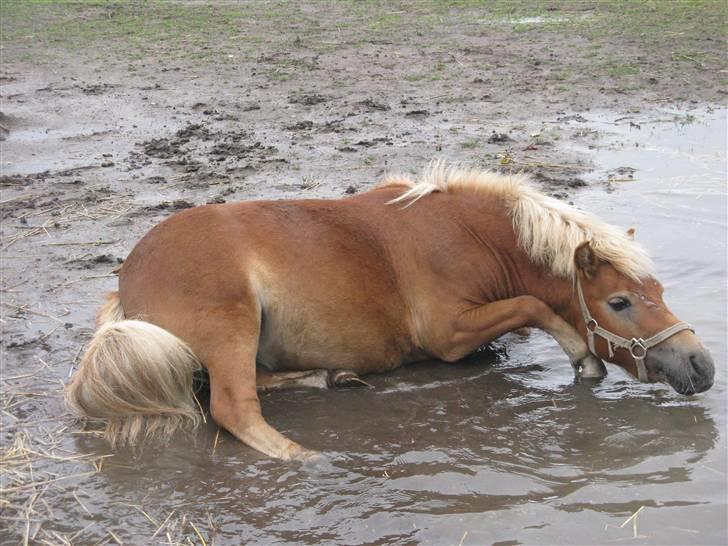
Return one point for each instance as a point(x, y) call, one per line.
point(116, 115)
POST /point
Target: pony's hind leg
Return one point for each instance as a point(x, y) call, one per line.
point(317, 379)
point(227, 345)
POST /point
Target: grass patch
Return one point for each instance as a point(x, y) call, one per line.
point(617, 69)
point(616, 31)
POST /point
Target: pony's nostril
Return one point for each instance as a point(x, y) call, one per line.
point(695, 365)
point(702, 370)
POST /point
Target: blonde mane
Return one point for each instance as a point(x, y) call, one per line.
point(547, 229)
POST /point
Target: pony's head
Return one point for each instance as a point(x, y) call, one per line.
point(626, 322)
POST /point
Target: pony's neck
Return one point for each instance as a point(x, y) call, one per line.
point(514, 272)
point(558, 293)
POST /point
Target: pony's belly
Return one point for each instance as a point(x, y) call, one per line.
point(287, 345)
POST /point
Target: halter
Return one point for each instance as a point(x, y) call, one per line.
point(636, 346)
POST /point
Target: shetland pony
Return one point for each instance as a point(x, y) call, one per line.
point(316, 292)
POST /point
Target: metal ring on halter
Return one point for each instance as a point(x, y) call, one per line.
point(637, 343)
point(592, 325)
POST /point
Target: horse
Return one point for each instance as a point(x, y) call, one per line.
point(279, 294)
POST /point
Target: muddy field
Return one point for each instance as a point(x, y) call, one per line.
point(115, 115)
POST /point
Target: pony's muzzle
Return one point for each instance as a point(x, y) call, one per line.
point(688, 371)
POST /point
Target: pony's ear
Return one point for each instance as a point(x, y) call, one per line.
point(630, 232)
point(586, 260)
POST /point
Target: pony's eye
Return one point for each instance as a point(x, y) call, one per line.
point(619, 303)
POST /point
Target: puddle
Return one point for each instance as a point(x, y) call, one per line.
point(501, 448)
point(38, 143)
point(677, 202)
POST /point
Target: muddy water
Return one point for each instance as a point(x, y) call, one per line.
point(502, 448)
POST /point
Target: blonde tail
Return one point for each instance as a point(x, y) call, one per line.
point(135, 378)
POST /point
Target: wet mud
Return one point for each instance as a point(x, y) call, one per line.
point(503, 448)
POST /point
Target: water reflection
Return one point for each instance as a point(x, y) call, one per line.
point(431, 439)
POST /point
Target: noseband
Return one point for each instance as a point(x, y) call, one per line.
point(636, 346)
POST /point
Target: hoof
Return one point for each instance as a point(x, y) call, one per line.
point(314, 462)
point(296, 452)
point(309, 456)
point(590, 367)
point(345, 378)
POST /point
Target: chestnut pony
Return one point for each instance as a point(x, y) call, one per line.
point(316, 292)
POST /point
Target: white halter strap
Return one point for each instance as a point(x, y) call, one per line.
point(637, 347)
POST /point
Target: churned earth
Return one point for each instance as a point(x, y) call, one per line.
point(114, 115)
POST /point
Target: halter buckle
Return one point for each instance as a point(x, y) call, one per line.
point(637, 348)
point(592, 325)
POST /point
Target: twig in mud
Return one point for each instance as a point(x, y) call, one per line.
point(11, 199)
point(10, 288)
point(25, 309)
point(199, 535)
point(465, 535)
point(693, 531)
point(633, 519)
point(163, 523)
point(73, 458)
point(545, 165)
point(170, 186)
point(73, 211)
point(141, 510)
point(28, 510)
point(217, 437)
point(86, 278)
point(677, 57)
point(7, 490)
point(13, 417)
point(25, 375)
point(84, 243)
point(32, 231)
point(60, 539)
point(74, 361)
point(78, 533)
point(82, 505)
point(103, 541)
point(47, 334)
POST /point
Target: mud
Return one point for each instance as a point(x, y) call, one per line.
point(502, 448)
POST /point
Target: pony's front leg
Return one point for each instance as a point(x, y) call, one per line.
point(487, 322)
